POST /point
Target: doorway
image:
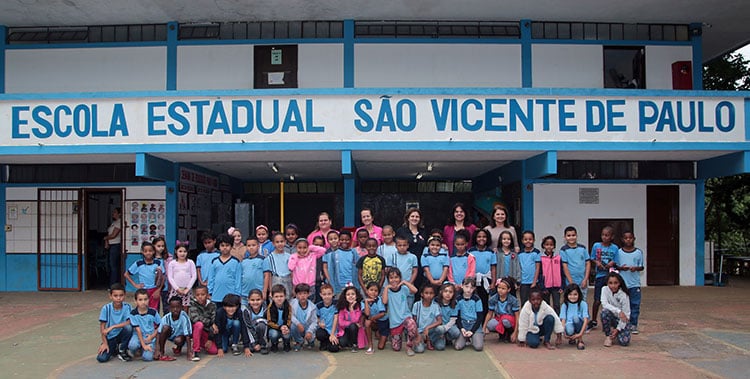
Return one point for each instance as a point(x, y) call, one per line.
point(98, 207)
point(663, 229)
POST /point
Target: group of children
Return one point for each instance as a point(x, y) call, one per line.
point(285, 290)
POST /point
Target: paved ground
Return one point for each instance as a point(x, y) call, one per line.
point(687, 332)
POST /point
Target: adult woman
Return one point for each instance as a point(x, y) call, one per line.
point(367, 224)
point(321, 229)
point(113, 242)
point(498, 224)
point(413, 230)
point(458, 221)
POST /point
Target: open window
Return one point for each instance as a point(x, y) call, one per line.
point(275, 66)
point(624, 67)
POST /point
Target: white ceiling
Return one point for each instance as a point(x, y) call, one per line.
point(728, 18)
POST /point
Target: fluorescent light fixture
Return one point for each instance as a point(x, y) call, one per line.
point(429, 166)
point(273, 166)
point(419, 175)
point(291, 178)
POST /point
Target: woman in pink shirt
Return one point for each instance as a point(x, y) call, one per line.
point(373, 230)
point(458, 221)
point(321, 229)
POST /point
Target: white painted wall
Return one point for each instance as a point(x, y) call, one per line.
point(567, 66)
point(437, 65)
point(86, 69)
point(214, 67)
point(321, 65)
point(659, 61)
point(556, 206)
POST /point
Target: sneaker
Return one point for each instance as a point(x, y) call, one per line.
point(274, 348)
point(311, 345)
point(196, 356)
point(263, 350)
point(287, 348)
point(124, 356)
point(354, 349)
point(297, 347)
point(409, 352)
point(235, 349)
point(607, 341)
point(634, 330)
point(592, 325)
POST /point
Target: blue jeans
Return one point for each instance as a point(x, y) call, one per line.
point(275, 334)
point(135, 344)
point(114, 263)
point(434, 336)
point(635, 305)
point(299, 337)
point(545, 330)
point(573, 326)
point(443, 335)
point(231, 334)
point(116, 343)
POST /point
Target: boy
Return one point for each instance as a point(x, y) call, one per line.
point(406, 262)
point(176, 327)
point(114, 326)
point(326, 312)
point(338, 266)
point(630, 262)
point(603, 257)
point(388, 248)
point(203, 316)
point(537, 321)
point(225, 272)
point(144, 321)
point(230, 326)
point(279, 316)
point(148, 271)
point(370, 267)
point(205, 257)
point(304, 318)
point(256, 273)
point(362, 236)
point(575, 261)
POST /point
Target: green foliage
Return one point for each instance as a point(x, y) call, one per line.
point(730, 72)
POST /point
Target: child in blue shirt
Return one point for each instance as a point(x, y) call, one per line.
point(203, 261)
point(486, 264)
point(256, 273)
point(575, 261)
point(304, 318)
point(231, 327)
point(405, 262)
point(114, 326)
point(254, 317)
point(463, 264)
point(339, 266)
point(503, 311)
point(448, 331)
point(470, 316)
point(278, 262)
point(574, 315)
point(529, 262)
point(396, 298)
point(630, 263)
point(266, 245)
point(388, 248)
point(326, 312)
point(604, 258)
point(144, 321)
point(434, 263)
point(175, 326)
point(147, 272)
point(427, 315)
point(375, 317)
point(225, 272)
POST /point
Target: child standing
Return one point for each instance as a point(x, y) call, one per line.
point(470, 316)
point(435, 264)
point(266, 245)
point(537, 321)
point(161, 253)
point(279, 316)
point(144, 321)
point(278, 261)
point(630, 262)
point(370, 267)
point(388, 247)
point(615, 311)
point(225, 273)
point(508, 262)
point(304, 319)
point(175, 326)
point(203, 317)
point(350, 320)
point(302, 263)
point(448, 331)
point(529, 263)
point(362, 236)
point(427, 315)
point(203, 261)
point(256, 273)
point(147, 271)
point(114, 326)
point(254, 317)
point(231, 327)
point(406, 262)
point(503, 311)
point(604, 258)
point(181, 275)
point(575, 261)
point(549, 275)
point(375, 317)
point(339, 265)
point(574, 315)
point(396, 298)
point(463, 264)
point(486, 264)
point(327, 313)
point(291, 233)
point(238, 245)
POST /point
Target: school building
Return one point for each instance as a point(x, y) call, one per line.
point(196, 115)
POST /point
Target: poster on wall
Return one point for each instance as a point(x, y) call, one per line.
point(145, 220)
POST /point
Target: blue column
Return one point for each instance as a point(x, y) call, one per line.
point(349, 173)
point(348, 53)
point(700, 232)
point(172, 34)
point(526, 76)
point(3, 35)
point(696, 31)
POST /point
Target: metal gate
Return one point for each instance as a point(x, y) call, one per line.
point(59, 240)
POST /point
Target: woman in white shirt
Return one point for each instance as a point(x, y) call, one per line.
point(113, 242)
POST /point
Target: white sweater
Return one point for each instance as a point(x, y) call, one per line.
point(616, 302)
point(526, 319)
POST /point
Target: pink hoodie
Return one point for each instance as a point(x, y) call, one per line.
point(303, 268)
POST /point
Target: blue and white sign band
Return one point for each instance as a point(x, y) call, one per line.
point(371, 118)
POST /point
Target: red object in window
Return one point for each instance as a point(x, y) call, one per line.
point(682, 75)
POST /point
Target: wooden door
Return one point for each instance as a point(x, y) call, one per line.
point(662, 224)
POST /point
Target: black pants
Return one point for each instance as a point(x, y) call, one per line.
point(349, 339)
point(322, 336)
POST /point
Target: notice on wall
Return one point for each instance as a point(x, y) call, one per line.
point(588, 196)
point(145, 220)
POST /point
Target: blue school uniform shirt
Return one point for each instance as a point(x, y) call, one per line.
point(508, 307)
point(266, 248)
point(147, 322)
point(225, 278)
point(447, 312)
point(633, 259)
point(485, 259)
point(468, 308)
point(387, 251)
point(376, 307)
point(253, 271)
point(405, 263)
point(398, 305)
point(327, 314)
point(425, 315)
point(460, 265)
point(506, 265)
point(111, 316)
point(146, 272)
point(180, 327)
point(528, 261)
point(341, 267)
point(435, 263)
point(607, 253)
point(577, 258)
point(204, 260)
point(570, 310)
point(279, 264)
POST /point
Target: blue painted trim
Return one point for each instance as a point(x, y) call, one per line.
point(610, 42)
point(3, 240)
point(291, 41)
point(93, 45)
point(173, 29)
point(526, 58)
point(348, 53)
point(541, 165)
point(725, 165)
point(346, 163)
point(3, 47)
point(149, 166)
point(350, 187)
point(747, 119)
point(439, 41)
point(697, 41)
point(700, 232)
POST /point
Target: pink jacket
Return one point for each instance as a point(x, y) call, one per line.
point(551, 269)
point(303, 268)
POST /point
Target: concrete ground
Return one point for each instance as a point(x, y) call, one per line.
point(686, 332)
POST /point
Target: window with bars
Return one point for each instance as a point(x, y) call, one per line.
point(87, 34)
point(436, 29)
point(262, 30)
point(610, 31)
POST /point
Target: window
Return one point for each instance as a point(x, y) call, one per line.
point(624, 67)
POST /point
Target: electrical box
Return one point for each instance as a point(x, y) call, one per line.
point(682, 75)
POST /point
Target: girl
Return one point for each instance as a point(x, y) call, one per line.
point(161, 253)
point(362, 237)
point(302, 263)
point(528, 265)
point(448, 331)
point(428, 317)
point(486, 264)
point(616, 311)
point(503, 311)
point(291, 233)
point(238, 247)
point(255, 322)
point(551, 274)
point(181, 275)
point(278, 261)
point(470, 316)
point(574, 315)
point(266, 246)
point(457, 221)
point(435, 265)
point(462, 264)
point(537, 321)
point(388, 248)
point(350, 320)
point(399, 315)
point(508, 264)
point(375, 317)
point(373, 231)
point(499, 223)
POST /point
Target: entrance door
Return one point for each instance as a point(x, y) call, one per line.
point(662, 223)
point(97, 217)
point(59, 240)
